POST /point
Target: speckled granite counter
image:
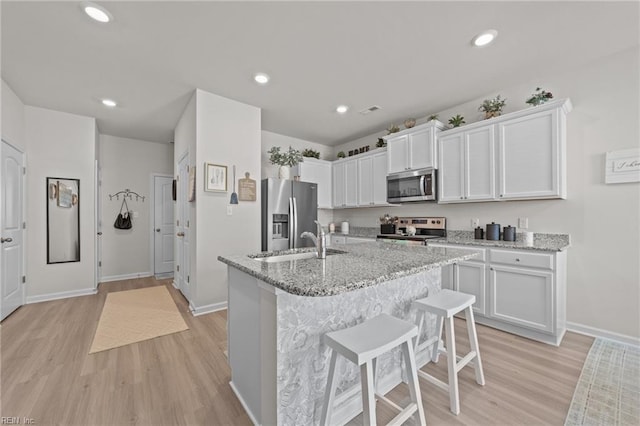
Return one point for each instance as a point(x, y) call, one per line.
point(361, 231)
point(541, 242)
point(357, 266)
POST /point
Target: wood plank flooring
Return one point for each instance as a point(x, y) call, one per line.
point(183, 378)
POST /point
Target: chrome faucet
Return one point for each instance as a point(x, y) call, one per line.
point(320, 241)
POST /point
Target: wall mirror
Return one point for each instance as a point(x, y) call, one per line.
point(63, 220)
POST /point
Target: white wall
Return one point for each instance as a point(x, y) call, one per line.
point(603, 273)
point(13, 130)
point(59, 145)
point(228, 133)
point(129, 164)
point(270, 139)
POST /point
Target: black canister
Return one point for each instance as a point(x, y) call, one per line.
point(479, 233)
point(509, 233)
point(493, 231)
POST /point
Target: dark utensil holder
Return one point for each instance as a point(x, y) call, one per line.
point(387, 228)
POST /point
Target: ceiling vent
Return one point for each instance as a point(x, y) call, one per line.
point(370, 109)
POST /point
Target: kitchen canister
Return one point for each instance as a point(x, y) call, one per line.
point(509, 233)
point(493, 231)
point(478, 233)
point(332, 227)
point(344, 228)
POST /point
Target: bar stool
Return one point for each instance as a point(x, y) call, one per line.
point(362, 344)
point(445, 305)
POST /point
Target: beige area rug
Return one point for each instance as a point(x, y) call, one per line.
point(135, 315)
point(608, 391)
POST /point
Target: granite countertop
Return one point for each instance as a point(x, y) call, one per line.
point(541, 242)
point(352, 267)
point(359, 231)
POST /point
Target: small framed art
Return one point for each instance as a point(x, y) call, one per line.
point(215, 178)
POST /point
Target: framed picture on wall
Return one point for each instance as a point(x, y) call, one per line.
point(215, 178)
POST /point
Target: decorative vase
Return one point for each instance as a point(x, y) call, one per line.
point(490, 114)
point(409, 123)
point(283, 172)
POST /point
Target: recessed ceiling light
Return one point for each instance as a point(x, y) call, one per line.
point(109, 102)
point(484, 38)
point(261, 78)
point(341, 109)
point(96, 12)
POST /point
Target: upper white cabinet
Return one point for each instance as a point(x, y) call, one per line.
point(372, 180)
point(345, 183)
point(413, 148)
point(532, 156)
point(467, 170)
point(319, 172)
point(521, 155)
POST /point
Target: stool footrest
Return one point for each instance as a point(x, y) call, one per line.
point(464, 361)
point(427, 343)
point(404, 415)
point(389, 403)
point(429, 378)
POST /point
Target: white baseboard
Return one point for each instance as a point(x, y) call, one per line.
point(596, 332)
point(61, 295)
point(125, 277)
point(207, 309)
point(175, 285)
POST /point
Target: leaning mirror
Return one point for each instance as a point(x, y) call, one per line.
point(63, 220)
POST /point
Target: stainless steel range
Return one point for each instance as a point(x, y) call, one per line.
point(416, 230)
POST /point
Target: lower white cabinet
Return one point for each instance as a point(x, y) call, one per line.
point(337, 239)
point(519, 291)
point(522, 296)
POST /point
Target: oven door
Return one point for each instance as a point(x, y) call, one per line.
point(415, 185)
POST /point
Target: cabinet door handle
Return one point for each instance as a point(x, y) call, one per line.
point(462, 198)
point(517, 260)
point(491, 269)
point(501, 195)
point(180, 234)
point(6, 240)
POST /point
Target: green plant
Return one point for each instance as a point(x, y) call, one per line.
point(289, 158)
point(381, 143)
point(539, 97)
point(494, 105)
point(457, 120)
point(433, 117)
point(312, 153)
point(393, 129)
point(341, 154)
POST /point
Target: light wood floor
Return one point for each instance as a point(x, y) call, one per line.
point(183, 378)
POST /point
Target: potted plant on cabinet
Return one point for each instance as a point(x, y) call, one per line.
point(456, 121)
point(539, 97)
point(284, 160)
point(311, 153)
point(492, 107)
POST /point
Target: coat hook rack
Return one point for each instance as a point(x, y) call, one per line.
point(126, 194)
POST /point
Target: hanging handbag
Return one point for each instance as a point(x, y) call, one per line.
point(123, 221)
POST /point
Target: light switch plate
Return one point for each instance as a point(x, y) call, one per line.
point(136, 214)
point(523, 222)
point(475, 222)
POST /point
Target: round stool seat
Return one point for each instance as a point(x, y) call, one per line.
point(446, 303)
point(371, 338)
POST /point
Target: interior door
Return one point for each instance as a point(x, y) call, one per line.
point(163, 235)
point(11, 231)
point(182, 220)
point(98, 221)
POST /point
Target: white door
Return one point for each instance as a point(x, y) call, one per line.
point(163, 228)
point(98, 221)
point(182, 222)
point(11, 231)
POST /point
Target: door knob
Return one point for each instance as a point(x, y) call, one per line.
point(6, 240)
point(180, 234)
point(157, 229)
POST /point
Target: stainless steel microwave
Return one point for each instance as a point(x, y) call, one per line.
point(413, 185)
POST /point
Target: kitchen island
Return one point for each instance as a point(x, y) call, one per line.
point(280, 304)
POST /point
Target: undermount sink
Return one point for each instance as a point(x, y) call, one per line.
point(293, 256)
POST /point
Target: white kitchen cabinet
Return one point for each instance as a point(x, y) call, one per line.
point(517, 156)
point(345, 183)
point(372, 180)
point(522, 296)
point(467, 166)
point(413, 148)
point(532, 156)
point(519, 291)
point(318, 172)
point(338, 239)
point(356, 240)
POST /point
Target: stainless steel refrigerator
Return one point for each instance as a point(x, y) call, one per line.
point(289, 208)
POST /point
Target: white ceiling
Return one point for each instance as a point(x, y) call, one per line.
point(410, 58)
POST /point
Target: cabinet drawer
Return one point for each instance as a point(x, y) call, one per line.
point(481, 257)
point(519, 258)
